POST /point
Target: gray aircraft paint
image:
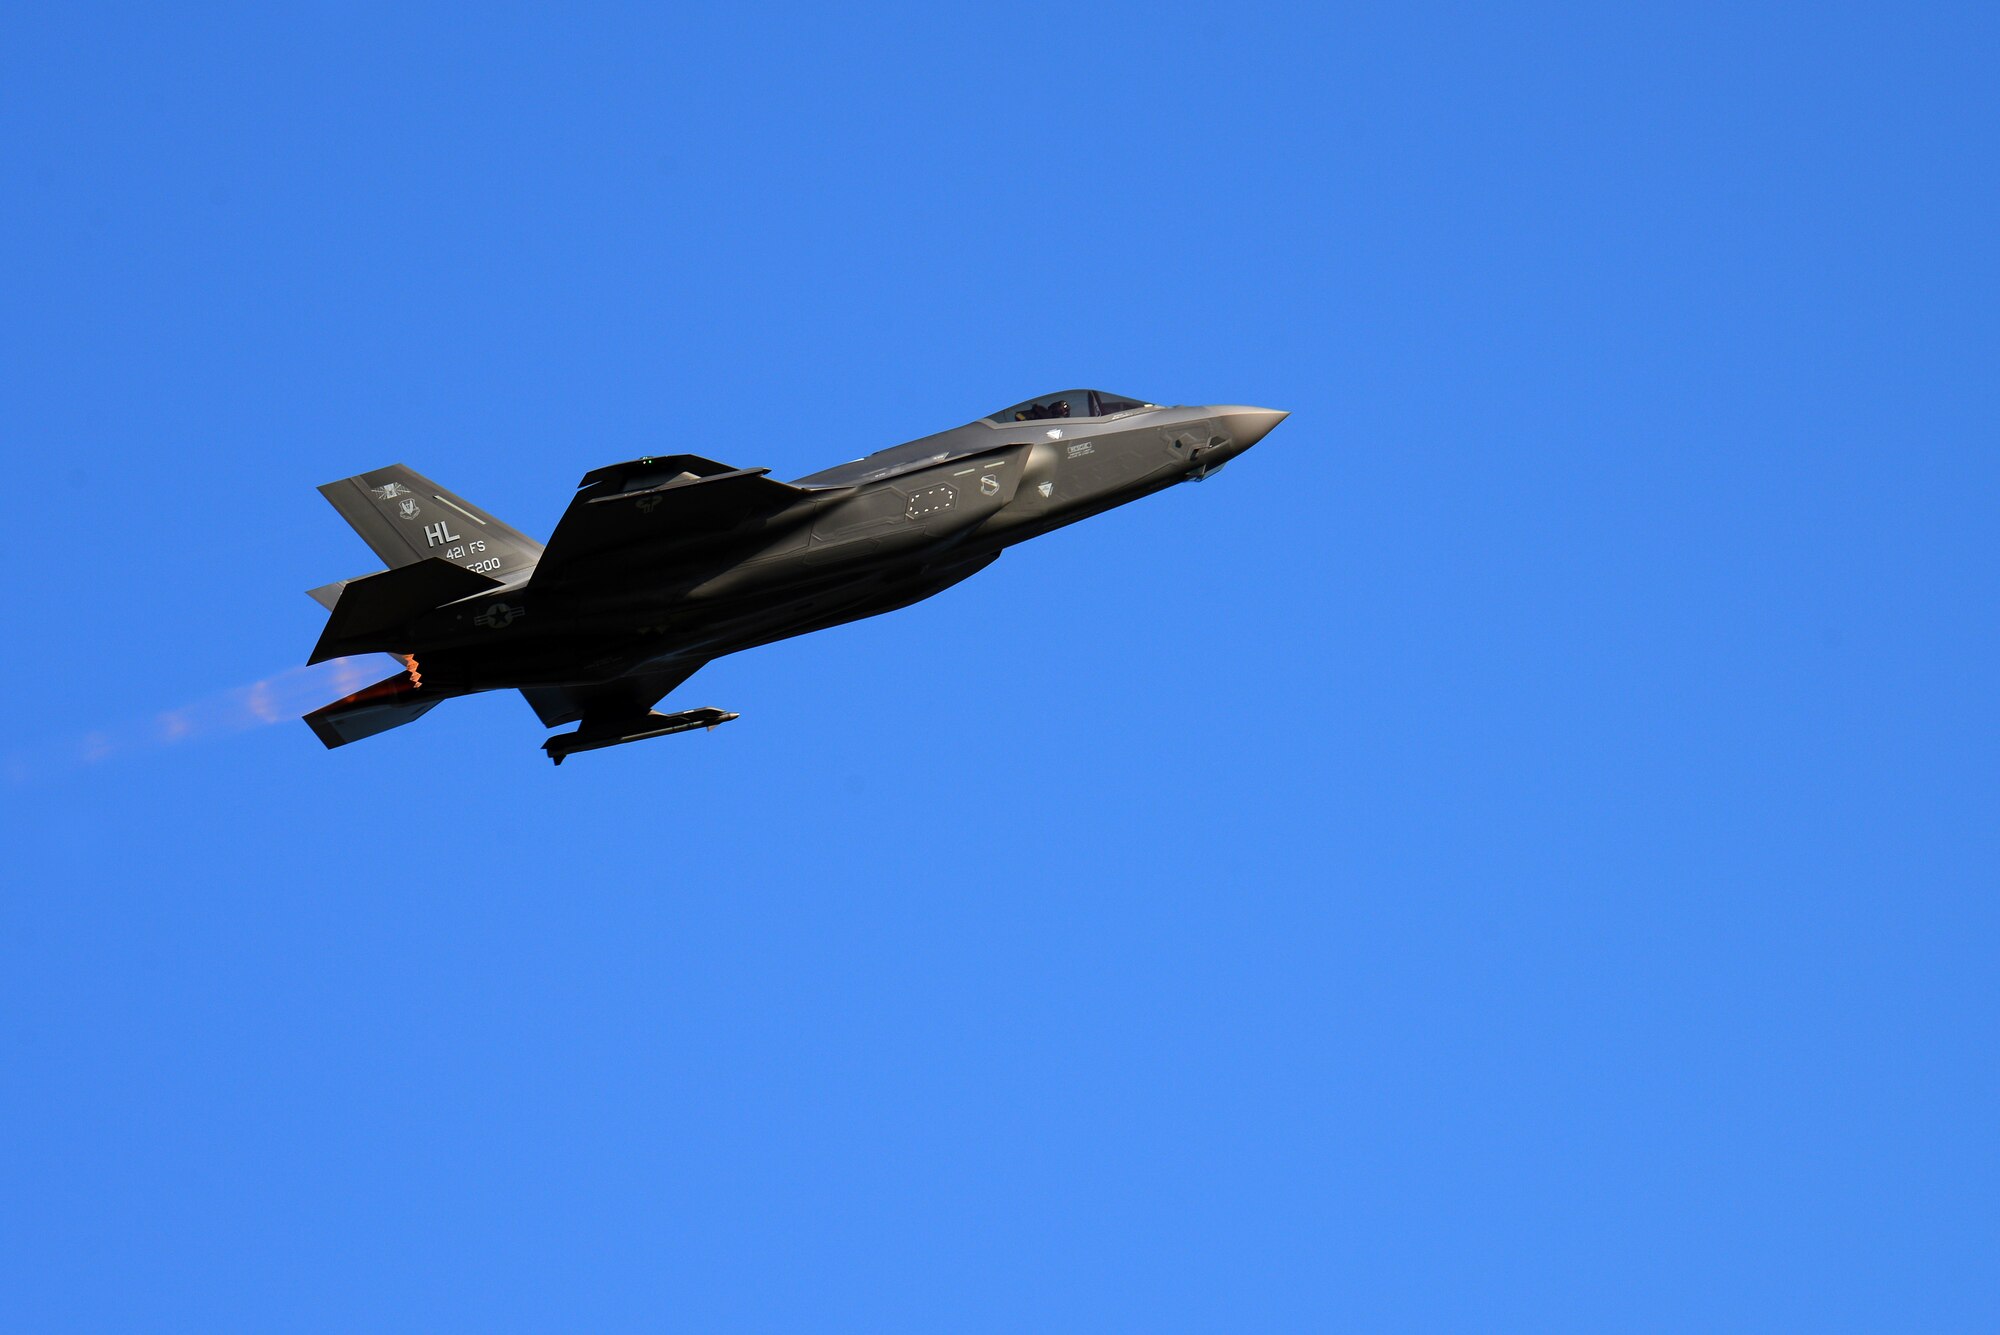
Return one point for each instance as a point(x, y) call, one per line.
point(665, 563)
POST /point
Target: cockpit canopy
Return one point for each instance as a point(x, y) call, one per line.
point(1070, 403)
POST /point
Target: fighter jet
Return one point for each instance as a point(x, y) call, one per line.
point(662, 564)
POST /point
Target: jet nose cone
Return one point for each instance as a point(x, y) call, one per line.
point(1247, 426)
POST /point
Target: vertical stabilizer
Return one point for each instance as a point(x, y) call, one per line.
point(407, 518)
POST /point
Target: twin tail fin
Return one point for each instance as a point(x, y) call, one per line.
point(439, 548)
point(406, 518)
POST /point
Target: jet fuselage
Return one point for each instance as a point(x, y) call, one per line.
point(664, 563)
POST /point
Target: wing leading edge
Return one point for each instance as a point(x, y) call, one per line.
point(673, 499)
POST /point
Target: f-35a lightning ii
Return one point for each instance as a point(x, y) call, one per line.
point(664, 563)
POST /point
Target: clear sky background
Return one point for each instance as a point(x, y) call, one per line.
point(1516, 851)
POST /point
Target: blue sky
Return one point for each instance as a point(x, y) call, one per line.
point(1515, 852)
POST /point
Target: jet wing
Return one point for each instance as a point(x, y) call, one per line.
point(661, 502)
point(626, 696)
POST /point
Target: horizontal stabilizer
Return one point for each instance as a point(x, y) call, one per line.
point(371, 606)
point(326, 595)
point(681, 498)
point(389, 703)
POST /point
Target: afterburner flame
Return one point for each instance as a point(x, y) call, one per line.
point(278, 698)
